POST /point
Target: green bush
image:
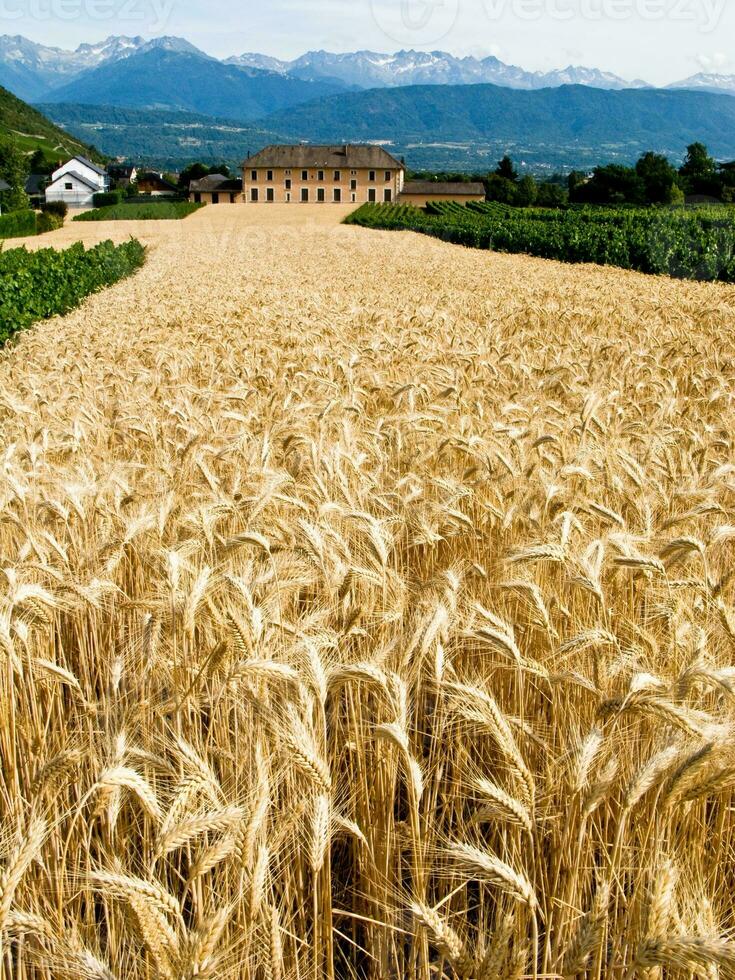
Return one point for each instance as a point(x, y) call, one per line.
point(684, 243)
point(48, 221)
point(38, 285)
point(59, 208)
point(141, 212)
point(18, 224)
point(108, 198)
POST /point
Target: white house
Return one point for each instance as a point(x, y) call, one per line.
point(76, 183)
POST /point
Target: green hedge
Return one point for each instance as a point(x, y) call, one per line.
point(38, 285)
point(48, 221)
point(18, 224)
point(108, 198)
point(141, 212)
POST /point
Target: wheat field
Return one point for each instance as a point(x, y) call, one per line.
point(367, 611)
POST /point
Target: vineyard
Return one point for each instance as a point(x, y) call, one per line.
point(38, 285)
point(686, 244)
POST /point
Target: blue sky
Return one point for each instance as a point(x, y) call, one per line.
point(658, 40)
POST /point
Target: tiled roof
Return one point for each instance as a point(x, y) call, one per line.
point(82, 180)
point(348, 157)
point(215, 182)
point(435, 188)
point(92, 166)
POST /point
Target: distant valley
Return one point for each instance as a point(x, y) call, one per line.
point(436, 127)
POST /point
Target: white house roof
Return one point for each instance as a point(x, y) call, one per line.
point(92, 166)
point(82, 180)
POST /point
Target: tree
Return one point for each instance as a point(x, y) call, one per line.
point(500, 189)
point(613, 184)
point(39, 164)
point(526, 192)
point(506, 169)
point(13, 170)
point(551, 195)
point(699, 171)
point(659, 178)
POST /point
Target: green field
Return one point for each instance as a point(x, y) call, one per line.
point(165, 211)
point(684, 243)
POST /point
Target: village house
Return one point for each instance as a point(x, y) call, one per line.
point(350, 174)
point(122, 175)
point(155, 185)
point(216, 189)
point(76, 182)
point(423, 192)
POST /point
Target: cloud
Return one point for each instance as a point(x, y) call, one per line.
point(718, 61)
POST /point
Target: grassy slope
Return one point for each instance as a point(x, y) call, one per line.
point(30, 130)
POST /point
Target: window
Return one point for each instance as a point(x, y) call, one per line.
point(197, 198)
point(320, 196)
point(337, 195)
point(304, 174)
point(269, 175)
point(372, 195)
point(254, 195)
point(254, 175)
point(68, 187)
point(387, 176)
point(304, 195)
point(353, 173)
point(270, 194)
point(337, 176)
point(232, 198)
point(372, 175)
point(320, 175)
point(288, 173)
point(387, 195)
point(353, 185)
point(288, 184)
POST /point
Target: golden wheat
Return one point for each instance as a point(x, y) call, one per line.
point(366, 612)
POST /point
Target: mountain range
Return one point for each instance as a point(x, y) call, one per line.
point(370, 69)
point(173, 79)
point(40, 73)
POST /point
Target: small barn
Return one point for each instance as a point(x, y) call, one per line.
point(216, 189)
point(423, 192)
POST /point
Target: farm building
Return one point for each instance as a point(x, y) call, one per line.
point(156, 185)
point(349, 174)
point(216, 189)
point(76, 182)
point(422, 192)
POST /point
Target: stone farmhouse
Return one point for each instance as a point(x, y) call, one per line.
point(350, 174)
